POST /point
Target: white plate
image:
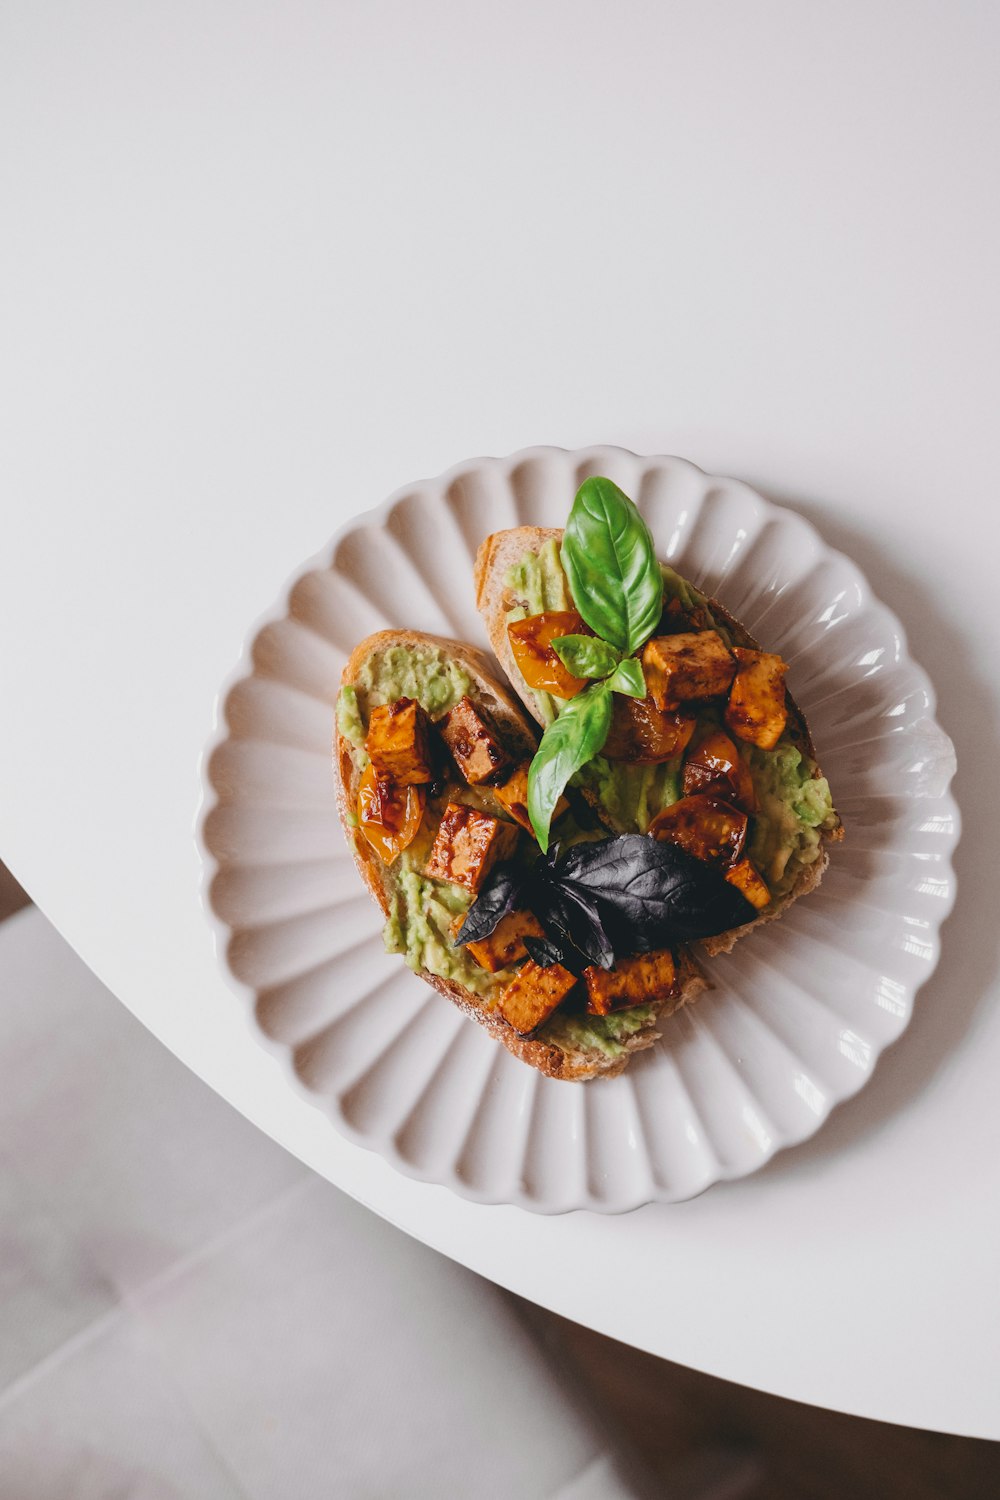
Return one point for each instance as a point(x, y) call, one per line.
point(800, 1011)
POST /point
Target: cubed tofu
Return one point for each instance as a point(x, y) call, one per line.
point(474, 742)
point(632, 981)
point(687, 667)
point(468, 844)
point(505, 944)
point(513, 795)
point(398, 742)
point(747, 878)
point(756, 710)
point(533, 995)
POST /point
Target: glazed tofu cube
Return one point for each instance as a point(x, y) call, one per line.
point(533, 995)
point(756, 710)
point(747, 878)
point(513, 795)
point(398, 742)
point(474, 742)
point(632, 981)
point(468, 844)
point(687, 667)
point(505, 944)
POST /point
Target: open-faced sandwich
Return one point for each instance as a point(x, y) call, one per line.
point(557, 871)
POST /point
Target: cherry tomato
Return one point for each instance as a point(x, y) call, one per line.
point(704, 826)
point(643, 733)
point(746, 877)
point(389, 816)
point(715, 765)
point(531, 642)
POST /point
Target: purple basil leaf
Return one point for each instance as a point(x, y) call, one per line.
point(497, 899)
point(576, 917)
point(545, 952)
point(651, 894)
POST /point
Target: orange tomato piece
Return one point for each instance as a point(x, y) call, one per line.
point(703, 826)
point(531, 642)
point(389, 815)
point(643, 733)
point(715, 765)
point(746, 877)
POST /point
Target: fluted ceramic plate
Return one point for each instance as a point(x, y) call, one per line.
point(798, 1014)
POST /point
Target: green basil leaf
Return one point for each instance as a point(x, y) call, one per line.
point(585, 655)
point(610, 561)
point(574, 738)
point(628, 678)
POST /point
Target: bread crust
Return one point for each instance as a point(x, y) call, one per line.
point(501, 551)
point(576, 1065)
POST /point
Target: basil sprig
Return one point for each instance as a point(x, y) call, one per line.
point(610, 561)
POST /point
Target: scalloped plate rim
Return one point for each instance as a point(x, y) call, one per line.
point(210, 866)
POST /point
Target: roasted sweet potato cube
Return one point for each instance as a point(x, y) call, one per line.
point(632, 981)
point(756, 710)
point(398, 742)
point(533, 995)
point(715, 765)
point(513, 795)
point(505, 944)
point(687, 667)
point(474, 741)
point(468, 844)
point(747, 878)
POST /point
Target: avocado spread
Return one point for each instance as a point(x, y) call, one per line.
point(419, 927)
point(421, 911)
point(420, 671)
point(538, 583)
point(794, 805)
point(349, 720)
point(606, 1034)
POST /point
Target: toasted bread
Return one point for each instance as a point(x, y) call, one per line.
point(502, 551)
point(556, 1061)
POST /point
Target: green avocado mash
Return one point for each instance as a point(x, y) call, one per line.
point(423, 672)
point(539, 584)
point(794, 805)
point(349, 720)
point(421, 910)
point(419, 927)
point(605, 1034)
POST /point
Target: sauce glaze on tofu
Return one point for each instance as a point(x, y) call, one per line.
point(474, 741)
point(468, 844)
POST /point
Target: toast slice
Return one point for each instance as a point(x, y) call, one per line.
point(504, 550)
point(556, 1049)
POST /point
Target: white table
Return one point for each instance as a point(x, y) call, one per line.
point(261, 265)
